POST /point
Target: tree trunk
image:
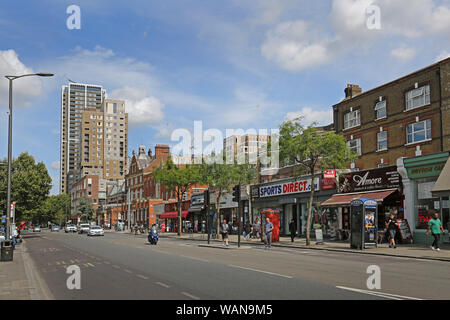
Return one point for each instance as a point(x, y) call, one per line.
point(308, 221)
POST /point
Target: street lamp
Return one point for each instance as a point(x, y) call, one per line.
point(8, 197)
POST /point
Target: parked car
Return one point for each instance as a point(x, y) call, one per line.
point(83, 228)
point(55, 228)
point(96, 231)
point(70, 228)
point(37, 229)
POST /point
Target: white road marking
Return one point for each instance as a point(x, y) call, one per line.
point(190, 295)
point(198, 259)
point(128, 271)
point(107, 262)
point(379, 294)
point(114, 266)
point(142, 277)
point(262, 271)
point(90, 264)
point(162, 284)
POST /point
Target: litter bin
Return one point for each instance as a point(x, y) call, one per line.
point(7, 251)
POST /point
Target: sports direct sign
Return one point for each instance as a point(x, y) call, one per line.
point(281, 189)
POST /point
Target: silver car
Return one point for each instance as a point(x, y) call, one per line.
point(83, 228)
point(96, 231)
point(37, 229)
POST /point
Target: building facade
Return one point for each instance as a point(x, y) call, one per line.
point(404, 118)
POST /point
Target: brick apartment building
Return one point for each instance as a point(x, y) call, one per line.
point(90, 187)
point(406, 117)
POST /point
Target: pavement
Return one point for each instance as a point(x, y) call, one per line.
point(402, 250)
point(19, 278)
point(124, 266)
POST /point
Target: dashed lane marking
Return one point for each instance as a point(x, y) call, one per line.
point(190, 295)
point(142, 277)
point(262, 271)
point(115, 266)
point(90, 264)
point(127, 271)
point(107, 262)
point(162, 284)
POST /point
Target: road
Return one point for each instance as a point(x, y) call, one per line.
point(123, 266)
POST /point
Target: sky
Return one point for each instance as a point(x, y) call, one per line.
point(248, 64)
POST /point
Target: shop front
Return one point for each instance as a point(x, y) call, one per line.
point(382, 185)
point(420, 176)
point(290, 198)
point(197, 217)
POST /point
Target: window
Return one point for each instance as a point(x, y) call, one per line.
point(418, 97)
point(355, 145)
point(352, 119)
point(382, 143)
point(380, 110)
point(419, 131)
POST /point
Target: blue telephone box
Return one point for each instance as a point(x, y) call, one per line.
point(363, 223)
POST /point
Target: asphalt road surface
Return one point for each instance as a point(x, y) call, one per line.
point(123, 266)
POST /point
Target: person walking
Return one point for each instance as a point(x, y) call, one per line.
point(247, 230)
point(435, 225)
point(268, 228)
point(391, 226)
point(224, 230)
point(293, 229)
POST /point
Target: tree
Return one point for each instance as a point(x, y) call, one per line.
point(30, 185)
point(312, 150)
point(177, 178)
point(221, 177)
point(85, 209)
point(54, 209)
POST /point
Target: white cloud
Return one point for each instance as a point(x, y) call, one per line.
point(309, 115)
point(403, 53)
point(55, 165)
point(25, 88)
point(443, 55)
point(142, 108)
point(294, 47)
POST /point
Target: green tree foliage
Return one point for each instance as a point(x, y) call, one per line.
point(85, 209)
point(221, 177)
point(177, 178)
point(30, 186)
point(55, 209)
point(312, 150)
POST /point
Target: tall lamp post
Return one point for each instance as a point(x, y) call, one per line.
point(8, 196)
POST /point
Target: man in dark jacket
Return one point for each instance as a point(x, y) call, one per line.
point(292, 229)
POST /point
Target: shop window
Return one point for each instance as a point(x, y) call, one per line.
point(426, 204)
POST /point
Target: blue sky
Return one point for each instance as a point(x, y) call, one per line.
point(232, 64)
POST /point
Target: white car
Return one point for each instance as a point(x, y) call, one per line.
point(84, 228)
point(70, 228)
point(96, 231)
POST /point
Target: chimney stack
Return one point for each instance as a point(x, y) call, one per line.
point(352, 90)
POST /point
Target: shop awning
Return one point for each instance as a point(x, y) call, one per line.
point(173, 215)
point(442, 186)
point(345, 199)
